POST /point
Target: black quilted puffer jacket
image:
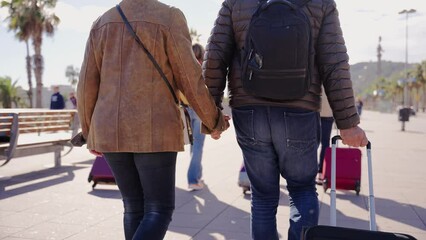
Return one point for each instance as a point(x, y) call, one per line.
point(329, 60)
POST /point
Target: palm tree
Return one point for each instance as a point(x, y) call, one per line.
point(72, 74)
point(8, 92)
point(17, 23)
point(35, 20)
point(419, 82)
point(421, 78)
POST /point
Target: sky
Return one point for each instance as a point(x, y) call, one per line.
point(362, 23)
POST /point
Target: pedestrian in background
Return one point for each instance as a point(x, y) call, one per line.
point(195, 170)
point(327, 121)
point(359, 105)
point(128, 113)
point(57, 100)
point(280, 138)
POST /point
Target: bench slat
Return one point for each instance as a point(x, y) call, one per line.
point(44, 129)
point(44, 123)
point(38, 118)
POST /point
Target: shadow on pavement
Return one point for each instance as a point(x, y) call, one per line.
point(36, 180)
point(105, 193)
point(202, 216)
point(387, 208)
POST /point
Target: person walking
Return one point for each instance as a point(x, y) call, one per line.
point(281, 137)
point(129, 114)
point(327, 121)
point(195, 169)
point(57, 100)
point(73, 100)
point(359, 105)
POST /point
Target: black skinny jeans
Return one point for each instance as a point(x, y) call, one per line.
point(147, 185)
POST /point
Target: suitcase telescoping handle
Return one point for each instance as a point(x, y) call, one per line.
point(333, 185)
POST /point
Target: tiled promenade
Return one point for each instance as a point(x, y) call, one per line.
point(44, 203)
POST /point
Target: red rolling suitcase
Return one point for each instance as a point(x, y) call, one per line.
point(340, 233)
point(348, 166)
point(101, 172)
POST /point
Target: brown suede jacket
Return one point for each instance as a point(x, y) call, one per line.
point(123, 103)
point(329, 60)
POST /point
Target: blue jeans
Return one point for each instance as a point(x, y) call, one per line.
point(326, 126)
point(279, 141)
point(147, 186)
point(195, 169)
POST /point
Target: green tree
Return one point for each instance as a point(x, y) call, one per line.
point(418, 84)
point(8, 92)
point(72, 74)
point(36, 18)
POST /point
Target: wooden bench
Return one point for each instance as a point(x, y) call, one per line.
point(36, 131)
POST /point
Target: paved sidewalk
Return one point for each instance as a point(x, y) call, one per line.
point(45, 203)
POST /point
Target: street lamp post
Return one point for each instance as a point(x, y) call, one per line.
point(406, 12)
point(405, 87)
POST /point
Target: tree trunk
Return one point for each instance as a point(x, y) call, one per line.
point(424, 98)
point(30, 84)
point(38, 69)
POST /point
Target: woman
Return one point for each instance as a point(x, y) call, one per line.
point(129, 115)
point(195, 168)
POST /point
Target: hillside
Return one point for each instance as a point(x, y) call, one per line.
point(364, 73)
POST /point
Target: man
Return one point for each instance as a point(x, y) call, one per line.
point(129, 115)
point(57, 100)
point(281, 137)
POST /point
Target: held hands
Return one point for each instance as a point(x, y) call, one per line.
point(354, 137)
point(216, 133)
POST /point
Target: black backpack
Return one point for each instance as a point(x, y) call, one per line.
point(275, 58)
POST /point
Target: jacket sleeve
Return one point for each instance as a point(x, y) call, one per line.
point(332, 59)
point(187, 74)
point(88, 87)
point(219, 51)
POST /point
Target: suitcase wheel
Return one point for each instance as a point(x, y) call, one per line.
point(357, 187)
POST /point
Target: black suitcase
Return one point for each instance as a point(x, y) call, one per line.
point(340, 233)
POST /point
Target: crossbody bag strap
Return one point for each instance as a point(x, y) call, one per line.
point(160, 71)
point(157, 66)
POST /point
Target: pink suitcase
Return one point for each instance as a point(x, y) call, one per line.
point(101, 172)
point(348, 169)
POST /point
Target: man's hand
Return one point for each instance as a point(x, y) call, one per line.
point(216, 133)
point(96, 153)
point(354, 137)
